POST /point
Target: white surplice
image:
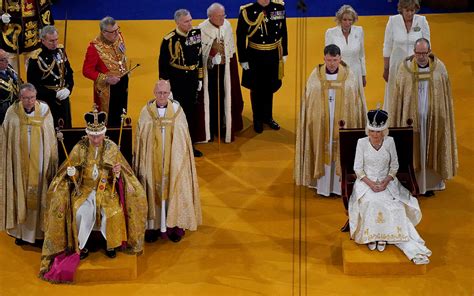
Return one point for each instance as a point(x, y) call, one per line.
point(427, 179)
point(160, 209)
point(330, 182)
point(31, 230)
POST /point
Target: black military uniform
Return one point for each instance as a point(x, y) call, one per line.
point(50, 71)
point(26, 21)
point(180, 62)
point(9, 87)
point(262, 42)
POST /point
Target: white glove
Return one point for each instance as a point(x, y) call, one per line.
point(245, 65)
point(71, 171)
point(63, 94)
point(6, 18)
point(284, 59)
point(217, 59)
point(199, 85)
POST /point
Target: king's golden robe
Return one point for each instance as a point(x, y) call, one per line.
point(442, 155)
point(13, 175)
point(312, 135)
point(129, 227)
point(181, 182)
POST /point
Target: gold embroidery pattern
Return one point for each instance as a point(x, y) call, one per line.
point(380, 219)
point(398, 236)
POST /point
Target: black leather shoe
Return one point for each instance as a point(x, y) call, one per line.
point(429, 193)
point(151, 236)
point(197, 153)
point(273, 125)
point(84, 254)
point(111, 253)
point(20, 242)
point(258, 127)
point(174, 237)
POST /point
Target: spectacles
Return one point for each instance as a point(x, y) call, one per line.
point(114, 31)
point(28, 98)
point(221, 15)
point(422, 53)
point(162, 93)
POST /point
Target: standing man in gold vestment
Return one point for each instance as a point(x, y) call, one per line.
point(331, 95)
point(423, 94)
point(30, 162)
point(106, 64)
point(95, 189)
point(164, 163)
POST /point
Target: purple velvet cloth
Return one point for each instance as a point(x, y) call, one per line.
point(63, 268)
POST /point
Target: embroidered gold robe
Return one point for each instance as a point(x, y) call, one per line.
point(312, 147)
point(441, 147)
point(14, 197)
point(182, 190)
point(61, 232)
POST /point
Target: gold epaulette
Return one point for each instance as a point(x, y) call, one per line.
point(36, 53)
point(171, 34)
point(281, 2)
point(60, 46)
point(245, 6)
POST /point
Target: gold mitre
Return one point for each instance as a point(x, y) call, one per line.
point(95, 122)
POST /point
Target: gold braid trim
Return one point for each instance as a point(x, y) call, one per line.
point(257, 22)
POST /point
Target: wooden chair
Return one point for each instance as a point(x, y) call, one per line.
point(403, 137)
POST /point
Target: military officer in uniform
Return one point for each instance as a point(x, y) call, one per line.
point(51, 74)
point(9, 85)
point(180, 62)
point(262, 49)
point(20, 24)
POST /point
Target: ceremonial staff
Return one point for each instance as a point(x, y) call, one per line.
point(70, 218)
point(218, 97)
point(117, 157)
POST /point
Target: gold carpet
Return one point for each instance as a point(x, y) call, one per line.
point(255, 239)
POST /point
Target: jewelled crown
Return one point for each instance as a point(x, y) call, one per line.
point(377, 120)
point(95, 121)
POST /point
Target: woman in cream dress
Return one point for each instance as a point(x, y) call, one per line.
point(381, 210)
point(401, 33)
point(350, 39)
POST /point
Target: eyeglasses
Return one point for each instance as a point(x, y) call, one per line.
point(28, 98)
point(221, 15)
point(162, 93)
point(114, 31)
point(422, 53)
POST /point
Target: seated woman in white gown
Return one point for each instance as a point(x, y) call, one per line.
point(381, 210)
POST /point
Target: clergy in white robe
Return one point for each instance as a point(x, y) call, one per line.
point(423, 93)
point(164, 164)
point(331, 95)
point(401, 32)
point(350, 39)
point(381, 210)
point(220, 71)
point(30, 162)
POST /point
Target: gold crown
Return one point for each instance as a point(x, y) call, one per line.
point(95, 121)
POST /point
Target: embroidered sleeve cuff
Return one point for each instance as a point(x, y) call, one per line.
point(393, 174)
point(360, 175)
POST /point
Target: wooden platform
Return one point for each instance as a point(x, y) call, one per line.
point(359, 260)
point(100, 268)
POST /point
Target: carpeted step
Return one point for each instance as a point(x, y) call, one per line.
point(100, 268)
